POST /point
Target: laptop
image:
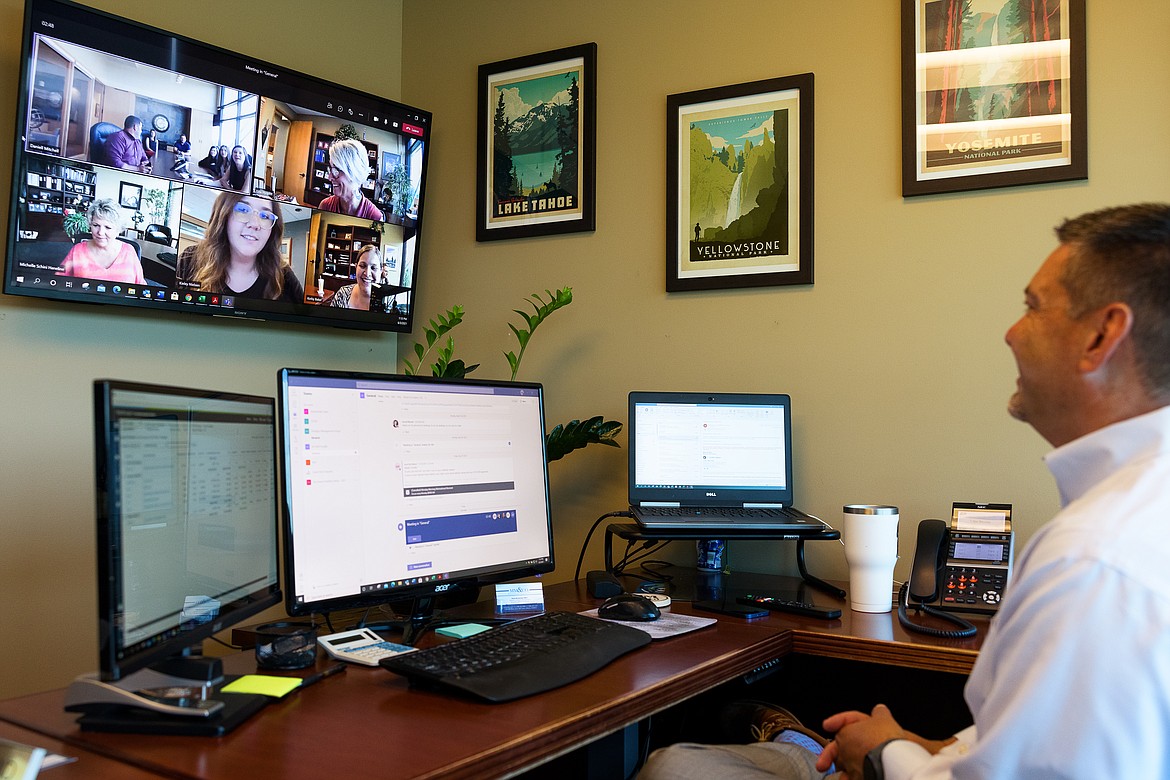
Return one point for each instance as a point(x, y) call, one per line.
point(713, 461)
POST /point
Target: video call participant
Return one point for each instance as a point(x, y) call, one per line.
point(103, 256)
point(357, 295)
point(349, 168)
point(237, 173)
point(150, 144)
point(124, 149)
point(240, 252)
point(213, 162)
point(182, 157)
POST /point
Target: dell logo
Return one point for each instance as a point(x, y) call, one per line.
point(711, 495)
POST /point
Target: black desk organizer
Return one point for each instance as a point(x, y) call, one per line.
point(633, 532)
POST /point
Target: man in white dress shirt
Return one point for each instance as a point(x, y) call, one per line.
point(1073, 679)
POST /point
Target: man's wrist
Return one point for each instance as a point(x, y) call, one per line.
point(871, 766)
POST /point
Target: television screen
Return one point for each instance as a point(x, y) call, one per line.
point(404, 488)
point(158, 172)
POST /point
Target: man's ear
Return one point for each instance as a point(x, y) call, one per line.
point(1111, 326)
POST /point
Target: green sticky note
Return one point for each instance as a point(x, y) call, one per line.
point(267, 684)
point(463, 631)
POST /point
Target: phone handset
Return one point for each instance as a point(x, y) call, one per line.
point(929, 555)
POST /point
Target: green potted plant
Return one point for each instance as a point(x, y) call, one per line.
point(402, 189)
point(346, 132)
point(561, 439)
point(75, 224)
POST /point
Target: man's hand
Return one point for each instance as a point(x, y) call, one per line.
point(855, 735)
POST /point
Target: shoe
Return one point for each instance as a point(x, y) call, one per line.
point(759, 721)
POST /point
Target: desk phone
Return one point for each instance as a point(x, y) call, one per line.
point(360, 646)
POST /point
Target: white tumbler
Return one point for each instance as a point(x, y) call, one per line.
point(871, 549)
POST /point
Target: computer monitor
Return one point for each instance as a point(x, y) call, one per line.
point(406, 488)
point(187, 534)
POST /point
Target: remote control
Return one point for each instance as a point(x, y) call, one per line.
point(795, 607)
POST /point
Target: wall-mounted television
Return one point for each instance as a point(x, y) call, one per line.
point(159, 172)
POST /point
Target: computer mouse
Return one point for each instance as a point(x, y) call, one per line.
point(627, 606)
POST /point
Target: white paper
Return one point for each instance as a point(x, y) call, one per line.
point(520, 597)
point(986, 521)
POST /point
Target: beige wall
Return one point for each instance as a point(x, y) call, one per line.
point(49, 355)
point(894, 358)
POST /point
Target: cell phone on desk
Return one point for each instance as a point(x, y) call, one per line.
point(730, 608)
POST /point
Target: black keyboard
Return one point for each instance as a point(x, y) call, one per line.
point(722, 511)
point(522, 658)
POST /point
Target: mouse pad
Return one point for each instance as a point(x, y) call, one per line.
point(669, 624)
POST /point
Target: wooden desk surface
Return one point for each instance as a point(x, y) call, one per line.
point(87, 766)
point(368, 718)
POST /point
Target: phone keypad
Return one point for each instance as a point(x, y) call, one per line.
point(966, 585)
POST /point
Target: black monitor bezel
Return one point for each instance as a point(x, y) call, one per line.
point(112, 664)
point(249, 309)
point(456, 588)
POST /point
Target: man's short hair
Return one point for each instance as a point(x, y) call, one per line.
point(131, 121)
point(1123, 254)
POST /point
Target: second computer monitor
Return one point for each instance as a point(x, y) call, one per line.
point(403, 488)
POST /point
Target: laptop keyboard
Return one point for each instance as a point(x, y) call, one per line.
point(722, 511)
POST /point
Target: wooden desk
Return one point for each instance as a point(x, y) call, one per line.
point(369, 723)
point(87, 766)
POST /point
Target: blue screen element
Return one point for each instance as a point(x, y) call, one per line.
point(439, 529)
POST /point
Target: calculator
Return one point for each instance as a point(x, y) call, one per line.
point(361, 646)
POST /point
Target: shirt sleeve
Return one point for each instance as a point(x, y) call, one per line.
point(132, 260)
point(1071, 683)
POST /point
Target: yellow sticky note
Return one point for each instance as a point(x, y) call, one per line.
point(267, 684)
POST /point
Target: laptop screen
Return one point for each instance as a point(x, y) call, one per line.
point(709, 449)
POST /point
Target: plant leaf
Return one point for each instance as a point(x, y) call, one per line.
point(574, 435)
point(436, 331)
point(542, 308)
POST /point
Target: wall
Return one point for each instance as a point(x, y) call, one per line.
point(51, 354)
point(894, 357)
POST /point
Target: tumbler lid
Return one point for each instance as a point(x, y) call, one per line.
point(870, 509)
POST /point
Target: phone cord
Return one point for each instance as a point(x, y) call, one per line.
point(965, 628)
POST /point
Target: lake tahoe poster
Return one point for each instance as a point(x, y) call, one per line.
point(739, 190)
point(534, 167)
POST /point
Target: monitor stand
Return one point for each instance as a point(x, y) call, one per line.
point(177, 696)
point(424, 616)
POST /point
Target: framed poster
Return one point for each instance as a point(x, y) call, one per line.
point(389, 163)
point(993, 94)
point(536, 145)
point(129, 195)
point(739, 189)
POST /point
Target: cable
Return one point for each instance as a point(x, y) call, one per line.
point(965, 629)
point(651, 576)
point(648, 548)
point(633, 556)
point(588, 536)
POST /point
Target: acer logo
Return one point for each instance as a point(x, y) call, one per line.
point(441, 588)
